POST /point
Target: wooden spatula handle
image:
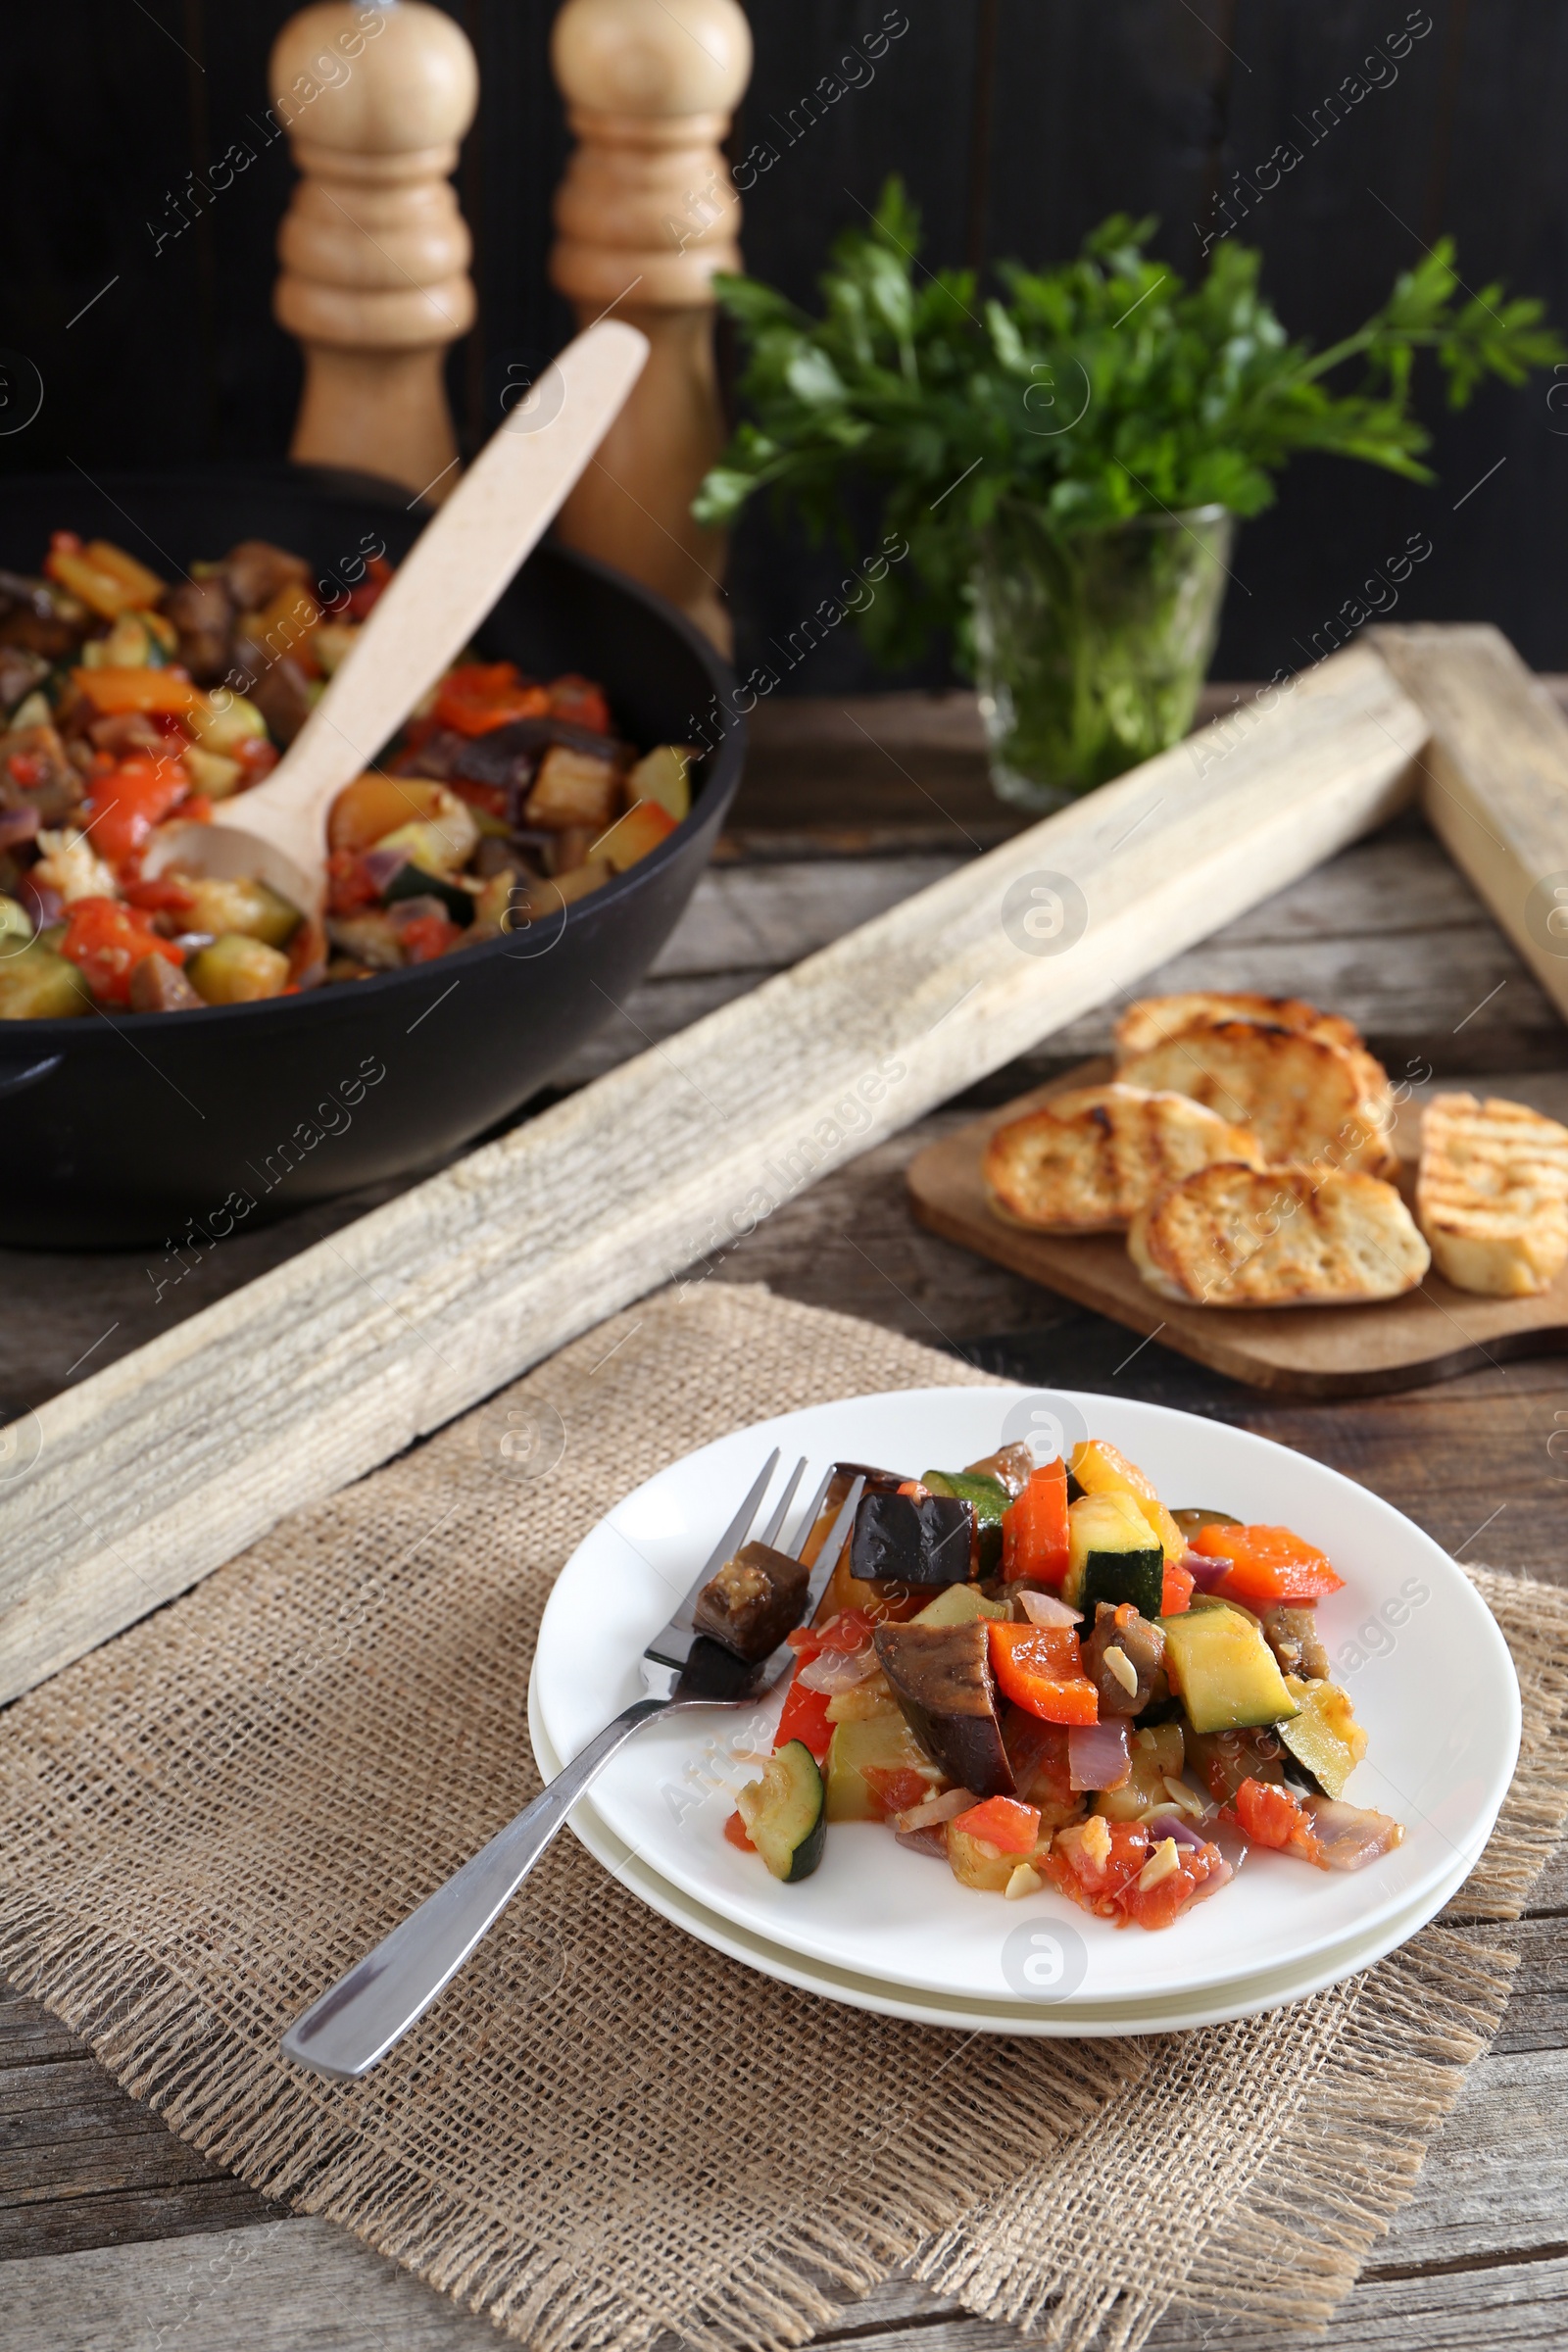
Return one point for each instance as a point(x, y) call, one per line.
point(446, 585)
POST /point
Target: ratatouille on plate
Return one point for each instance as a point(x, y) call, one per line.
point(1042, 1677)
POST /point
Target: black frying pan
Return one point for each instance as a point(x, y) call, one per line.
point(117, 1128)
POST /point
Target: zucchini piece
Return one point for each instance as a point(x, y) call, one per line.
point(1325, 1736)
point(412, 881)
point(975, 1862)
point(1223, 1671)
point(37, 985)
point(987, 1498)
point(1113, 1554)
point(958, 1605)
point(881, 1742)
point(1101, 1468)
point(237, 970)
point(785, 1812)
point(251, 910)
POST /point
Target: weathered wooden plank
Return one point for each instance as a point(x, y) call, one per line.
point(1495, 781)
point(157, 1469)
point(281, 2286)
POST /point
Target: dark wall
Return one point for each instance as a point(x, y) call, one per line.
point(1017, 123)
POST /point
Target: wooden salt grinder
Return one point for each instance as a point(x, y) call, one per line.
point(646, 213)
point(373, 247)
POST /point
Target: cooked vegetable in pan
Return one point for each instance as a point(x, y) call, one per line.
point(1068, 1687)
point(125, 703)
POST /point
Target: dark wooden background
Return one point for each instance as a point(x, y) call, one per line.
point(1018, 125)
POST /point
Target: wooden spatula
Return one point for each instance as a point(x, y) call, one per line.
point(439, 595)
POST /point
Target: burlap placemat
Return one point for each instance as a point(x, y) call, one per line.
point(606, 2131)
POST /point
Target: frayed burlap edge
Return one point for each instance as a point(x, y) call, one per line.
point(1283, 2243)
point(270, 2129)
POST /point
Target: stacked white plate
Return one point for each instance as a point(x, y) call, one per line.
point(887, 1929)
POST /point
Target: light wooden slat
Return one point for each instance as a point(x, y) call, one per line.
point(167, 1464)
point(1495, 781)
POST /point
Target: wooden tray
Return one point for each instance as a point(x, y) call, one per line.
point(1431, 1334)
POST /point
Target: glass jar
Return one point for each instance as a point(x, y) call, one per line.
point(1092, 645)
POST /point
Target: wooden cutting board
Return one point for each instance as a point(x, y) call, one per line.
point(1430, 1334)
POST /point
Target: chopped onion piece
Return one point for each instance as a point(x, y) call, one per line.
point(1043, 1608)
point(835, 1670)
point(1175, 1826)
point(1352, 1836)
point(932, 1842)
point(1098, 1754)
point(932, 1809)
point(1204, 1570)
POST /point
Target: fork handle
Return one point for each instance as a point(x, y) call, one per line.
point(351, 2026)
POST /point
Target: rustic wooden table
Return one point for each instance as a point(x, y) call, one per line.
point(114, 2234)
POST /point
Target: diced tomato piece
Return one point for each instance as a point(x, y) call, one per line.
point(1273, 1817)
point(1157, 1906)
point(1034, 1527)
point(368, 595)
point(898, 1787)
point(1177, 1594)
point(490, 798)
point(803, 1717)
point(851, 1628)
point(426, 937)
point(106, 941)
point(349, 888)
point(124, 806)
point(1004, 1823)
point(1268, 1564)
point(162, 897)
point(581, 701)
point(478, 696)
point(1041, 1669)
point(735, 1831)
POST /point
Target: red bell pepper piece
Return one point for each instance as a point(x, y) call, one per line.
point(735, 1831)
point(1034, 1527)
point(1177, 1594)
point(805, 1718)
point(1267, 1564)
point(581, 701)
point(124, 806)
point(106, 941)
point(478, 696)
point(1001, 1821)
point(1041, 1669)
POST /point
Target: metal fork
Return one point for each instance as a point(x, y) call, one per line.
point(354, 2024)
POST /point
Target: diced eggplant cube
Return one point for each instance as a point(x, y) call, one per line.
point(911, 1542)
point(752, 1604)
point(940, 1677)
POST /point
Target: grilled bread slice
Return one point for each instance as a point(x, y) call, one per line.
point(1309, 1101)
point(1232, 1236)
point(1492, 1195)
point(1153, 1021)
point(1088, 1159)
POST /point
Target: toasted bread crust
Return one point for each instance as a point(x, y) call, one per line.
point(1492, 1195)
point(1311, 1101)
point(1154, 1021)
point(1232, 1236)
point(1088, 1160)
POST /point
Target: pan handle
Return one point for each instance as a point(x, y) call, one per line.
point(12, 1082)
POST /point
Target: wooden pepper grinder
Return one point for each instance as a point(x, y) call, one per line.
point(646, 213)
point(375, 250)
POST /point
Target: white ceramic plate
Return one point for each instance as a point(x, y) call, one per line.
point(1044, 2017)
point(1424, 1665)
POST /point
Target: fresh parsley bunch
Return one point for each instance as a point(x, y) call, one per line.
point(1100, 389)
